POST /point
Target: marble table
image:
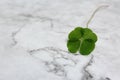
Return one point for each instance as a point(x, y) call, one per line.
point(33, 36)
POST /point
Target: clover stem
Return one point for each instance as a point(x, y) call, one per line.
point(93, 14)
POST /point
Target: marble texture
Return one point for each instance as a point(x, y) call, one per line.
point(33, 36)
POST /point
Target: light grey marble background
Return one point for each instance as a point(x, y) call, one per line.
point(33, 36)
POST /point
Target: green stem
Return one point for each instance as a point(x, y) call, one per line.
point(93, 14)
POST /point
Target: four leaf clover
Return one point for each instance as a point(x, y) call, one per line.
point(82, 40)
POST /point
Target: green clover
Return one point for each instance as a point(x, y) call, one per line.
point(82, 40)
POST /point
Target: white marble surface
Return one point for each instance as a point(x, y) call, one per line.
point(33, 35)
